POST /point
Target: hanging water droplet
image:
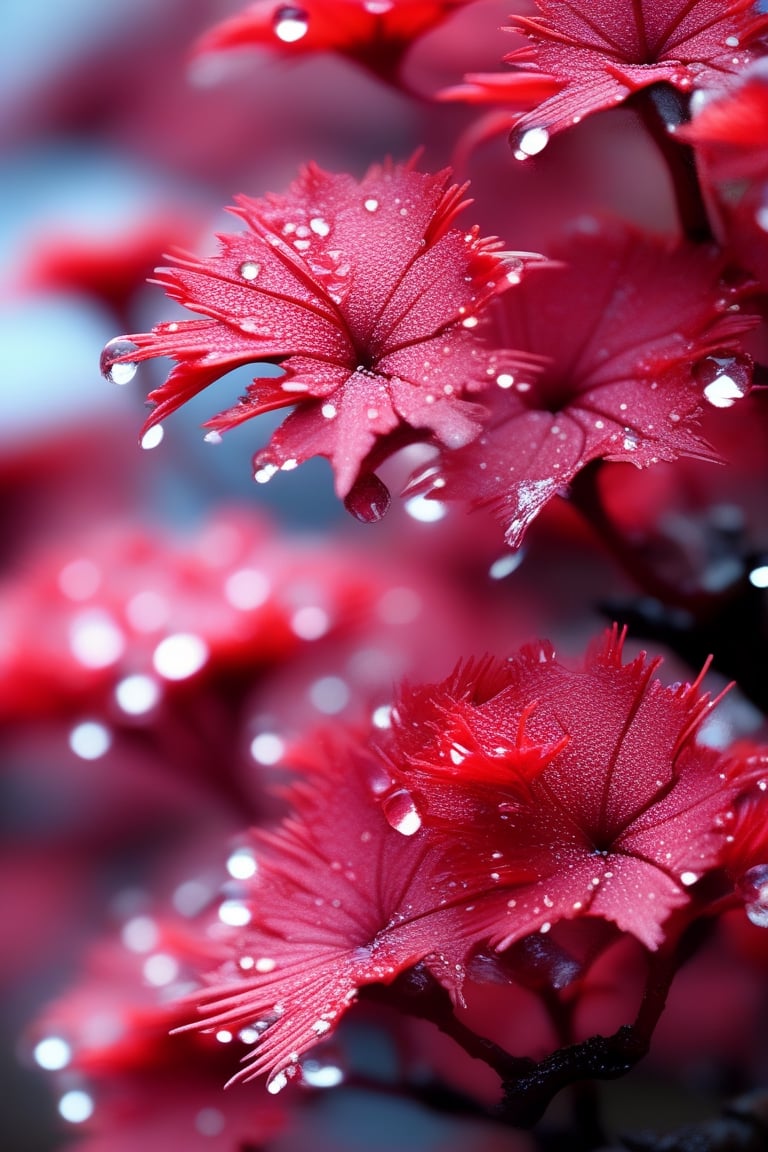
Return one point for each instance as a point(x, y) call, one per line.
point(401, 812)
point(112, 367)
point(249, 270)
point(368, 500)
point(530, 142)
point(753, 887)
point(152, 437)
point(290, 24)
point(725, 379)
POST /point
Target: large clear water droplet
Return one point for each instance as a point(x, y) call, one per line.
point(401, 812)
point(113, 367)
point(725, 379)
point(753, 887)
point(290, 24)
point(368, 500)
point(529, 142)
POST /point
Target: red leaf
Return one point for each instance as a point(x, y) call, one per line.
point(362, 292)
point(600, 59)
point(638, 331)
point(375, 33)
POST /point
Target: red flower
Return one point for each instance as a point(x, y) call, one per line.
point(617, 813)
point(637, 330)
point(365, 296)
point(375, 33)
point(730, 128)
point(340, 900)
point(599, 59)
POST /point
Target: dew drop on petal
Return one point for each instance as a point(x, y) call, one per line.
point(112, 368)
point(688, 878)
point(753, 888)
point(401, 812)
point(319, 226)
point(249, 269)
point(368, 499)
point(371, 204)
point(152, 437)
point(530, 143)
point(725, 379)
point(290, 24)
point(378, 7)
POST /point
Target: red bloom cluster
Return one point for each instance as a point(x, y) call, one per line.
point(508, 799)
point(366, 297)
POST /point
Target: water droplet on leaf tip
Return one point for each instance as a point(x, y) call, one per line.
point(530, 142)
point(111, 364)
point(290, 24)
point(368, 500)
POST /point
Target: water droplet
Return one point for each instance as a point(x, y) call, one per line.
point(329, 411)
point(425, 510)
point(276, 1082)
point(725, 379)
point(371, 204)
point(52, 1053)
point(688, 878)
point(112, 368)
point(152, 437)
point(179, 656)
point(758, 577)
point(382, 716)
point(241, 865)
point(76, 1106)
point(234, 913)
point(267, 748)
point(290, 24)
point(401, 812)
point(249, 270)
point(264, 474)
point(90, 740)
point(321, 1075)
point(505, 380)
point(506, 564)
point(753, 887)
point(224, 1036)
point(470, 322)
point(368, 500)
point(321, 1027)
point(530, 143)
point(732, 41)
point(319, 226)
